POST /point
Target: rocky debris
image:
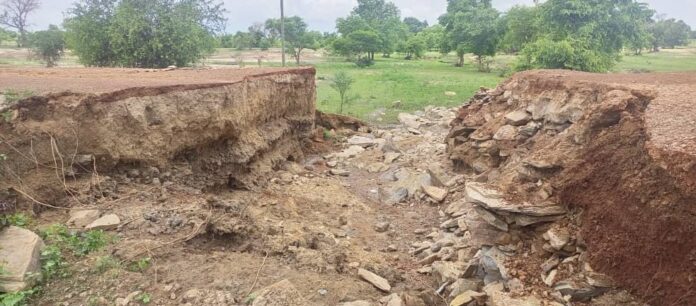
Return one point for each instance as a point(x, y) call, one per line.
point(374, 279)
point(437, 194)
point(466, 298)
point(81, 218)
point(409, 120)
point(497, 296)
point(107, 222)
point(282, 293)
point(361, 141)
point(339, 172)
point(20, 254)
point(523, 214)
point(557, 237)
point(357, 303)
point(382, 226)
point(518, 117)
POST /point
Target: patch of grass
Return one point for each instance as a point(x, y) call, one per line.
point(667, 60)
point(18, 219)
point(106, 263)
point(140, 265)
point(144, 298)
point(415, 83)
point(80, 244)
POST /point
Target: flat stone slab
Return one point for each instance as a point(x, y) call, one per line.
point(20, 254)
point(374, 279)
point(107, 222)
point(492, 199)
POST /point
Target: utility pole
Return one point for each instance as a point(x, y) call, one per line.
point(282, 31)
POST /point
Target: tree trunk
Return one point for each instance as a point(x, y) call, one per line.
point(460, 62)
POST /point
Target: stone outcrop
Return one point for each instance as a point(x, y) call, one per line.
point(617, 148)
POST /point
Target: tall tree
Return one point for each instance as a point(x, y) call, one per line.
point(15, 15)
point(471, 26)
point(586, 34)
point(378, 16)
point(521, 25)
point(296, 35)
point(414, 25)
point(669, 33)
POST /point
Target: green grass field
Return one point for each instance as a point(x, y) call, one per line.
point(667, 60)
point(414, 83)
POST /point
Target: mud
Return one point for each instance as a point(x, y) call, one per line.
point(616, 149)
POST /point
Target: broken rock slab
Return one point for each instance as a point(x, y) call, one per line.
point(493, 200)
point(20, 255)
point(374, 279)
point(282, 293)
point(437, 194)
point(467, 297)
point(107, 222)
point(82, 218)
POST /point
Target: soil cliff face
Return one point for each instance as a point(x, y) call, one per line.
point(618, 150)
point(223, 132)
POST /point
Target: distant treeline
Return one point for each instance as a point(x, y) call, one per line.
point(588, 35)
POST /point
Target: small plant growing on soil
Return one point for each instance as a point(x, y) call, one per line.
point(106, 263)
point(141, 265)
point(342, 82)
point(144, 298)
point(80, 244)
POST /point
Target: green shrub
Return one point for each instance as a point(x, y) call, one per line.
point(364, 62)
point(48, 45)
point(565, 54)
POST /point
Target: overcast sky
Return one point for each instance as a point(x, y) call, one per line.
point(321, 14)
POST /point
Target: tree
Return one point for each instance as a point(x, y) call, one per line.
point(471, 26)
point(342, 82)
point(669, 33)
point(6, 35)
point(414, 25)
point(15, 15)
point(589, 34)
point(87, 30)
point(48, 45)
point(143, 33)
point(377, 16)
point(414, 47)
point(521, 25)
point(433, 36)
point(297, 37)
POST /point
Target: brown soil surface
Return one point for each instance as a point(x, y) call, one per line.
point(99, 80)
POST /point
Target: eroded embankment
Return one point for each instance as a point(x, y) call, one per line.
point(581, 141)
point(209, 134)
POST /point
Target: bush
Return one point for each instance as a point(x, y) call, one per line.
point(565, 54)
point(364, 62)
point(48, 45)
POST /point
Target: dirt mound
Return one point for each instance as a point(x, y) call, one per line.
point(227, 127)
point(617, 149)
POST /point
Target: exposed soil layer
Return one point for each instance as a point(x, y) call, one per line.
point(620, 147)
point(219, 127)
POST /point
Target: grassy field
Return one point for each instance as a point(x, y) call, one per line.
point(667, 60)
point(414, 84)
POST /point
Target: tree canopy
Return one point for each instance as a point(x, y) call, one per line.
point(143, 33)
point(471, 26)
point(48, 45)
